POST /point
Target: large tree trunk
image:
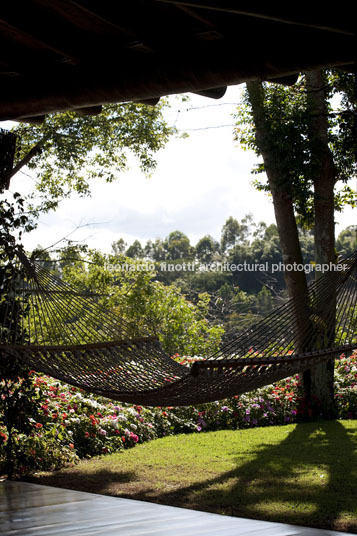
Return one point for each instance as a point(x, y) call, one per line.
point(320, 378)
point(283, 206)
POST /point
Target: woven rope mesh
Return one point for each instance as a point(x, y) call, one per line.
point(68, 335)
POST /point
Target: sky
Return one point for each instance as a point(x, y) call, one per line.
point(199, 182)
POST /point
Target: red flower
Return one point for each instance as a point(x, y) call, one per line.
point(39, 425)
point(45, 408)
point(93, 420)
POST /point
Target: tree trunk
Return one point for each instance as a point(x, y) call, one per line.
point(320, 377)
point(283, 205)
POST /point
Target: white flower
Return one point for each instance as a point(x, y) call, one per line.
point(76, 420)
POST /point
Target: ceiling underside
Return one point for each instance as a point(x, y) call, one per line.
point(69, 54)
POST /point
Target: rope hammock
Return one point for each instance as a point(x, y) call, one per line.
point(66, 334)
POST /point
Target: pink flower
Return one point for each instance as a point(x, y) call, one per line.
point(134, 437)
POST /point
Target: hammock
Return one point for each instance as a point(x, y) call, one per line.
point(66, 334)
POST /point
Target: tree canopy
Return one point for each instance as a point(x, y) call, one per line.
point(68, 150)
point(287, 120)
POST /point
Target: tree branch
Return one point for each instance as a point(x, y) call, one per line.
point(29, 156)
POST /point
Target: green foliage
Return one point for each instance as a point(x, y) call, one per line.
point(235, 300)
point(178, 246)
point(14, 222)
point(119, 247)
point(156, 250)
point(343, 135)
point(73, 149)
point(346, 242)
point(135, 251)
point(286, 120)
point(206, 248)
point(17, 401)
point(288, 144)
point(234, 232)
point(149, 306)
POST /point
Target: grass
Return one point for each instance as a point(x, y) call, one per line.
point(304, 474)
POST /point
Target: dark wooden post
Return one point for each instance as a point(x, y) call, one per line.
point(7, 153)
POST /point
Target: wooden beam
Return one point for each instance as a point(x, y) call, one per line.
point(148, 102)
point(331, 21)
point(195, 15)
point(212, 93)
point(150, 77)
point(34, 41)
point(89, 19)
point(36, 120)
point(90, 110)
point(180, 61)
point(80, 17)
point(285, 80)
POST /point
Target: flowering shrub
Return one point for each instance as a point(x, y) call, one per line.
point(71, 424)
point(346, 386)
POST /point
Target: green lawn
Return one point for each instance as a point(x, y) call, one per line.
point(303, 474)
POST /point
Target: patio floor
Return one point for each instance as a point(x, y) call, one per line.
point(30, 509)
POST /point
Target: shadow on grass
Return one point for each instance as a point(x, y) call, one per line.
point(272, 485)
point(99, 481)
point(308, 479)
